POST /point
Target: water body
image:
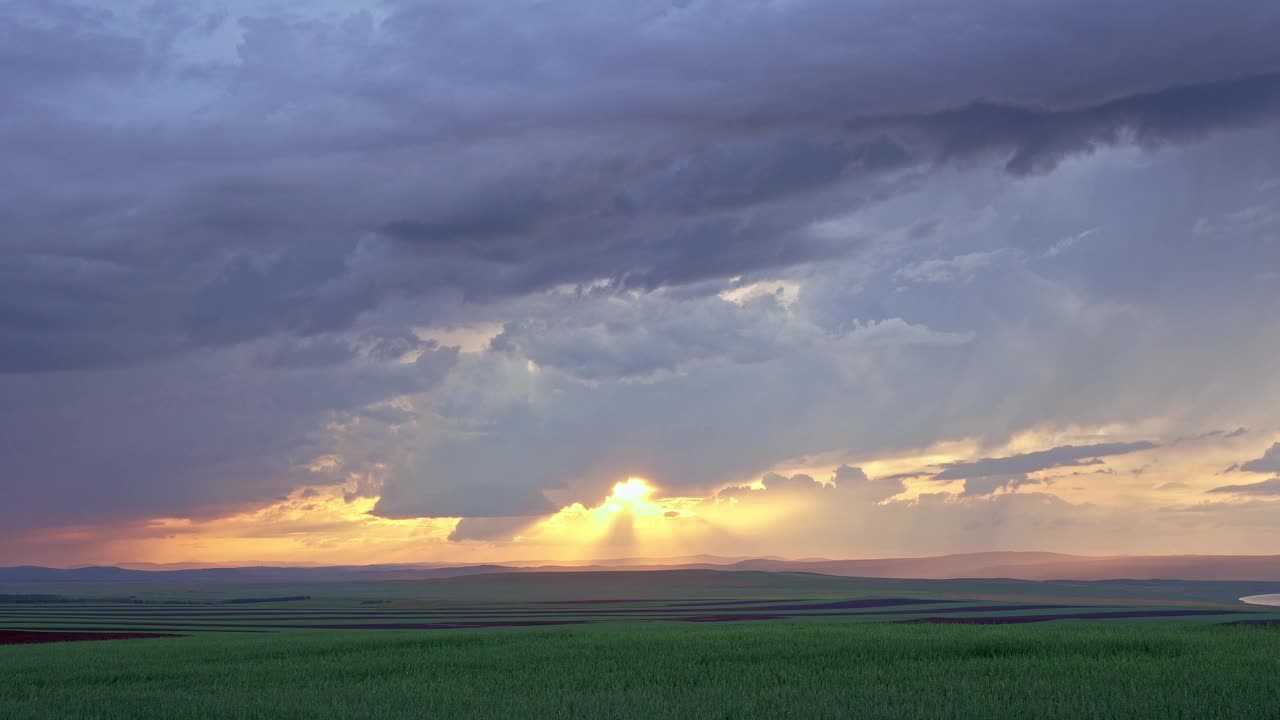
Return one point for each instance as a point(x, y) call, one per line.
point(1262, 600)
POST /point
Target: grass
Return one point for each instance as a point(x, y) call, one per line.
point(740, 670)
point(641, 656)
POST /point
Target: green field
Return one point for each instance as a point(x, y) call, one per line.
point(643, 645)
point(749, 670)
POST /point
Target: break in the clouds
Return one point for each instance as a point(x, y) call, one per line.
point(482, 260)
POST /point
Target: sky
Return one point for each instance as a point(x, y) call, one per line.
point(359, 282)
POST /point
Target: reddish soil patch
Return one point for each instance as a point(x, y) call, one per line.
point(1114, 615)
point(31, 637)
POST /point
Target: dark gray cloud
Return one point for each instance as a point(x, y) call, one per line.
point(1264, 488)
point(472, 497)
point(1223, 434)
point(607, 340)
point(183, 439)
point(490, 528)
point(54, 46)
point(247, 155)
point(1063, 456)
point(1035, 140)
point(313, 352)
point(848, 487)
point(1268, 463)
point(983, 485)
point(985, 476)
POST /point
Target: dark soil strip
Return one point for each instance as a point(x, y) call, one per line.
point(727, 617)
point(757, 601)
point(500, 612)
point(466, 624)
point(729, 605)
point(250, 615)
point(434, 626)
point(621, 614)
point(733, 618)
point(533, 619)
point(589, 602)
point(1115, 615)
point(354, 615)
point(763, 601)
point(150, 629)
point(217, 627)
point(975, 608)
point(31, 637)
point(848, 604)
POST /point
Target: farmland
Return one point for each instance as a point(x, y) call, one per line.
point(280, 616)
point(750, 670)
point(631, 598)
point(640, 644)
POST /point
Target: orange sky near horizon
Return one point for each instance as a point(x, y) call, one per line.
point(328, 525)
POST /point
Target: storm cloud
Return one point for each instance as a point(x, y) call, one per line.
point(182, 219)
point(483, 260)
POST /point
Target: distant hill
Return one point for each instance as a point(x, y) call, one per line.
point(1176, 567)
point(1011, 565)
point(221, 575)
point(1043, 566)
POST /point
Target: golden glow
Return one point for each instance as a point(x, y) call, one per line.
point(631, 520)
point(314, 524)
point(335, 524)
point(630, 491)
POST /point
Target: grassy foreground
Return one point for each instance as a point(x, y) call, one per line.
point(765, 670)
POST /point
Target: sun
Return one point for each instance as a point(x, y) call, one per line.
point(631, 490)
point(636, 517)
point(633, 496)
